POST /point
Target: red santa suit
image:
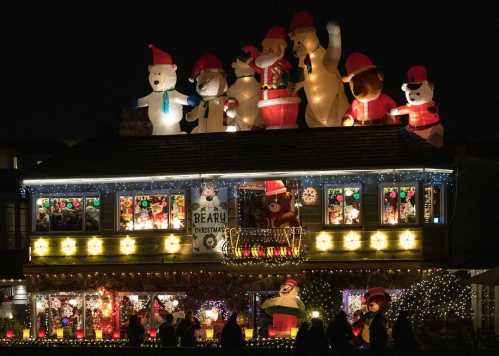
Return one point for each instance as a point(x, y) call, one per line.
point(420, 116)
point(372, 112)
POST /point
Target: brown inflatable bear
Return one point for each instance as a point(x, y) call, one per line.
point(278, 203)
point(370, 106)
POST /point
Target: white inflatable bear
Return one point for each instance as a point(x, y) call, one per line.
point(211, 85)
point(246, 92)
point(164, 102)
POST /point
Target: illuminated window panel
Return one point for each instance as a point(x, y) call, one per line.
point(92, 213)
point(67, 213)
point(159, 211)
point(399, 204)
point(433, 204)
point(343, 205)
point(178, 211)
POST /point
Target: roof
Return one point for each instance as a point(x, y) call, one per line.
point(257, 151)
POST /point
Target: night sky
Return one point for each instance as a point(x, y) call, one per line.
point(69, 70)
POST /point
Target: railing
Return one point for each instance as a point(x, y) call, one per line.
point(275, 246)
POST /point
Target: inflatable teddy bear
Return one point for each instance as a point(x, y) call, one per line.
point(370, 106)
point(326, 99)
point(164, 102)
point(278, 203)
point(372, 324)
point(424, 120)
point(286, 309)
point(211, 84)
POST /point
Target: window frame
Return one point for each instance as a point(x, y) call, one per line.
point(134, 193)
point(326, 204)
point(83, 195)
point(382, 207)
point(443, 203)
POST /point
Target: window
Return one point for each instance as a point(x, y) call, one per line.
point(399, 204)
point(433, 204)
point(155, 211)
point(68, 213)
point(343, 205)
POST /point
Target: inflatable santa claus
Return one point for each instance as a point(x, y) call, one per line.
point(278, 107)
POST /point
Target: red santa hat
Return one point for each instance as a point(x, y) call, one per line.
point(376, 292)
point(277, 33)
point(356, 63)
point(159, 56)
point(291, 282)
point(206, 61)
point(417, 74)
point(301, 21)
point(273, 187)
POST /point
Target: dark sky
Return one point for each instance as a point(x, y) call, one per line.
point(70, 69)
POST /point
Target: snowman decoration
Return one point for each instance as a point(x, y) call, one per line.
point(286, 309)
point(246, 93)
point(164, 102)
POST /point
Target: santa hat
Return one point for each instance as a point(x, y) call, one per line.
point(273, 187)
point(159, 56)
point(206, 61)
point(376, 292)
point(301, 20)
point(277, 33)
point(291, 282)
point(356, 63)
point(417, 74)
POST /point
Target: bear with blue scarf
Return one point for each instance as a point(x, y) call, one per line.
point(164, 102)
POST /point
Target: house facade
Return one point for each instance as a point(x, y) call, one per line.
point(214, 222)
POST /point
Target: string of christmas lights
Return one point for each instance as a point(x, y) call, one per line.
point(428, 177)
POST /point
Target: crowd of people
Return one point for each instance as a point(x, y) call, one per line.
point(313, 337)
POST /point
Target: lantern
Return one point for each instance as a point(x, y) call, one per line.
point(26, 334)
point(116, 334)
point(79, 334)
point(9, 333)
point(254, 251)
point(293, 332)
point(261, 251)
point(41, 333)
point(248, 333)
point(283, 251)
point(270, 251)
point(289, 251)
point(238, 252)
point(246, 252)
point(98, 334)
point(209, 333)
point(153, 332)
point(272, 332)
point(60, 333)
point(277, 251)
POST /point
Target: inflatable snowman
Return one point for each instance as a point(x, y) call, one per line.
point(164, 102)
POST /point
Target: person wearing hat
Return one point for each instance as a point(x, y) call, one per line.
point(326, 98)
point(164, 102)
point(211, 85)
point(424, 120)
point(286, 309)
point(370, 106)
